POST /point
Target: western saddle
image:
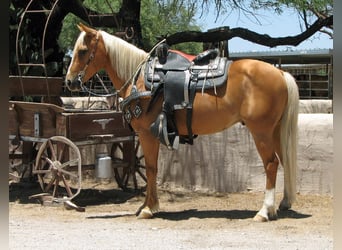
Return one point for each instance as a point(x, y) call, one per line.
point(178, 76)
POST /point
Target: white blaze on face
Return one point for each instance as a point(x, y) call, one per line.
point(79, 42)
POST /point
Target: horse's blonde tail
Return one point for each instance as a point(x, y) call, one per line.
point(288, 141)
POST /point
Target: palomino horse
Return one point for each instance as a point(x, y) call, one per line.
point(257, 94)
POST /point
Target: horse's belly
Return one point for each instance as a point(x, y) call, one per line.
point(206, 122)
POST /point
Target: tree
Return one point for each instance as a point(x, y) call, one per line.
point(160, 21)
point(120, 17)
point(141, 22)
point(315, 15)
point(31, 37)
point(155, 21)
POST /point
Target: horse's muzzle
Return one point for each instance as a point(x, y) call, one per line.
point(74, 85)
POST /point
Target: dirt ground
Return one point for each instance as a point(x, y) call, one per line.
point(187, 220)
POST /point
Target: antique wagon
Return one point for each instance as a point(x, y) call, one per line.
point(51, 137)
point(48, 137)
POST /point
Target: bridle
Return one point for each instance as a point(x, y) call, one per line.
point(132, 79)
point(81, 74)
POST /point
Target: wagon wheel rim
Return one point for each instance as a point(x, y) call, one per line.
point(58, 168)
point(129, 173)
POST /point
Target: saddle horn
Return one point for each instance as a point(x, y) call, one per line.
point(162, 51)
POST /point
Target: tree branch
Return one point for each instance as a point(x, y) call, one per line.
point(262, 39)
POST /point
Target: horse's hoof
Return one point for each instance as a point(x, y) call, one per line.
point(284, 205)
point(272, 216)
point(145, 213)
point(259, 218)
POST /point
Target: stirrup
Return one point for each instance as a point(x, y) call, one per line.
point(159, 129)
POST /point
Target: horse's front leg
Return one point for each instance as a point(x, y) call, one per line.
point(150, 147)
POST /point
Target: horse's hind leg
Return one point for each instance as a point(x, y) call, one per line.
point(266, 149)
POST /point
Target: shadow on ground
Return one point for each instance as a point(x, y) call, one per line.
point(228, 214)
point(20, 192)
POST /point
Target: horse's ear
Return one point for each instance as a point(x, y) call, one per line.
point(81, 26)
point(85, 28)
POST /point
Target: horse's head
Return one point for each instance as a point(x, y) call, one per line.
point(86, 59)
point(95, 50)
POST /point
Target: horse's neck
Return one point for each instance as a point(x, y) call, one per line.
point(124, 59)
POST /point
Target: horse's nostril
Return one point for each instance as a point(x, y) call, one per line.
point(69, 84)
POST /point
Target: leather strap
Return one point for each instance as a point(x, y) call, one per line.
point(192, 92)
point(133, 96)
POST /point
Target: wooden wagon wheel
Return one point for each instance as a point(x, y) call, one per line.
point(58, 167)
point(129, 165)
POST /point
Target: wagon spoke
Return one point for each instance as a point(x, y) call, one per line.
point(42, 171)
point(41, 182)
point(126, 179)
point(141, 166)
point(120, 147)
point(116, 158)
point(53, 152)
point(61, 153)
point(137, 147)
point(69, 163)
point(135, 181)
point(48, 160)
point(48, 187)
point(142, 175)
point(67, 188)
point(45, 156)
point(55, 188)
point(68, 173)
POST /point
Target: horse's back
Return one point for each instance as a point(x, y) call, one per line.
point(256, 75)
point(255, 68)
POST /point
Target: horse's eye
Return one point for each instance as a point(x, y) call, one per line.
point(82, 52)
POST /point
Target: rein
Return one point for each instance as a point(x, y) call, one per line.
point(90, 92)
point(135, 94)
point(138, 69)
point(81, 74)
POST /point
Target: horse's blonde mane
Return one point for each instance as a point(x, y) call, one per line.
point(124, 56)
